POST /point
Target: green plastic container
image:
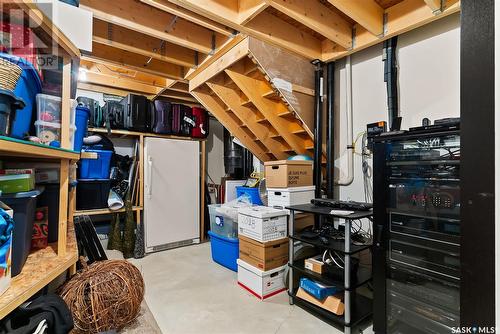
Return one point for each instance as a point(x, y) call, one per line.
point(15, 183)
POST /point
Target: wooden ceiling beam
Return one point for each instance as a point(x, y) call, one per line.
point(151, 21)
point(274, 30)
point(367, 13)
point(105, 53)
point(127, 73)
point(171, 8)
point(133, 41)
point(317, 17)
point(264, 26)
point(401, 18)
point(102, 89)
point(248, 9)
point(100, 79)
point(434, 5)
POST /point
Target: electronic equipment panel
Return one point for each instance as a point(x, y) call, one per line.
point(416, 254)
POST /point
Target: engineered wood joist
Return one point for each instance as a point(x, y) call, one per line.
point(129, 40)
point(322, 29)
point(151, 21)
point(108, 54)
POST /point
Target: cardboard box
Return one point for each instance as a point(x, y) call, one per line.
point(5, 256)
point(314, 264)
point(262, 223)
point(303, 220)
point(331, 303)
point(288, 173)
point(283, 197)
point(262, 284)
point(265, 256)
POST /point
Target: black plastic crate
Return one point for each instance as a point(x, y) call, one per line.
point(92, 194)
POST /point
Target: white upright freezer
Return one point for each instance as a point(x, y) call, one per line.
point(171, 193)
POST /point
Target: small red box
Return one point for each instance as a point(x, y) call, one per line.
point(40, 229)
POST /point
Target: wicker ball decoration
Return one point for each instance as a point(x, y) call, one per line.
point(104, 296)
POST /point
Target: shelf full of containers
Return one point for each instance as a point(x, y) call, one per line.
point(39, 146)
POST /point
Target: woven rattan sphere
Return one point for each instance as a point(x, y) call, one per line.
point(104, 296)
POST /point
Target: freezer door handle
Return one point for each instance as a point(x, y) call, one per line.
point(150, 176)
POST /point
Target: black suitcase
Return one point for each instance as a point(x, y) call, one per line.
point(182, 120)
point(96, 119)
point(114, 115)
point(161, 118)
point(136, 109)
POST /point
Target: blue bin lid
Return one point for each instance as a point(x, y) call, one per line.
point(29, 70)
point(82, 108)
point(24, 194)
point(19, 101)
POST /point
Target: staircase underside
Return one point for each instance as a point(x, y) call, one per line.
point(263, 95)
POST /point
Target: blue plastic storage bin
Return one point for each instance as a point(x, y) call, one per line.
point(81, 122)
point(96, 168)
point(27, 87)
point(225, 251)
point(253, 193)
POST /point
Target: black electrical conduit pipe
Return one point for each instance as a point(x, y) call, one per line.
point(318, 138)
point(330, 127)
point(391, 80)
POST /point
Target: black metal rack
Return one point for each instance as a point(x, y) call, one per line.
point(357, 307)
point(417, 231)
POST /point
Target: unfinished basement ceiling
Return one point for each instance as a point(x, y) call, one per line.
point(166, 47)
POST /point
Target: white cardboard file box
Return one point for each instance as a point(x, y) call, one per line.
point(262, 223)
point(262, 284)
point(283, 197)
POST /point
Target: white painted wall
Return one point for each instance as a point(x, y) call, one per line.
point(215, 151)
point(429, 86)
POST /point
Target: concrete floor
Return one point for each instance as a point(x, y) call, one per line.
point(189, 293)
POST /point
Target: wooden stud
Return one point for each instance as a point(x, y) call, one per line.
point(136, 42)
point(203, 172)
point(63, 207)
point(135, 61)
point(151, 21)
point(141, 170)
point(210, 103)
point(253, 89)
point(319, 18)
point(249, 118)
point(367, 13)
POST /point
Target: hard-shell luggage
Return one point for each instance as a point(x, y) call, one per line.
point(162, 117)
point(182, 120)
point(150, 116)
point(114, 115)
point(96, 119)
point(200, 129)
point(136, 112)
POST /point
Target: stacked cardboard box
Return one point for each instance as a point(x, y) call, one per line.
point(263, 250)
point(290, 182)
